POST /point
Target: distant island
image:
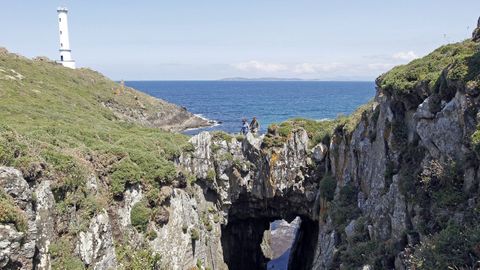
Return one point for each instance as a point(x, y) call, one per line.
point(274, 79)
point(266, 79)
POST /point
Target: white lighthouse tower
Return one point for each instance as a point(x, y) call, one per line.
point(65, 52)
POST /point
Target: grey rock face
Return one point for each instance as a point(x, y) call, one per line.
point(325, 250)
point(243, 169)
point(440, 134)
point(18, 248)
point(320, 152)
point(45, 222)
point(174, 239)
point(10, 245)
point(252, 182)
point(95, 245)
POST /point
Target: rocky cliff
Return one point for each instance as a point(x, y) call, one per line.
point(393, 186)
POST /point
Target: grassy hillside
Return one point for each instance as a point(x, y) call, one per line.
point(63, 124)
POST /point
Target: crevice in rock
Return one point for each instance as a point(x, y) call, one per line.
point(303, 249)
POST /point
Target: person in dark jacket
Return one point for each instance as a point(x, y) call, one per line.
point(254, 126)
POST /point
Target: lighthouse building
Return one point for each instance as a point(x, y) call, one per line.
point(65, 51)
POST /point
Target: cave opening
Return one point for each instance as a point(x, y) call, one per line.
point(244, 243)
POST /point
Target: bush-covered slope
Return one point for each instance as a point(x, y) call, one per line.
point(66, 125)
point(461, 58)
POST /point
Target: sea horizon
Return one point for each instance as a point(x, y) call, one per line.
point(228, 102)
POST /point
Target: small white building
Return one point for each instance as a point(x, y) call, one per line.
point(65, 51)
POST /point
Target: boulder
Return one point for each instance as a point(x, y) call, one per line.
point(161, 216)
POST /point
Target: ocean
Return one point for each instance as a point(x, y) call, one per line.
point(227, 102)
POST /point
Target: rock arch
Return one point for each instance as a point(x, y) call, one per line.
point(255, 186)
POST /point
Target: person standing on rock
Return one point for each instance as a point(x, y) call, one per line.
point(245, 127)
point(254, 126)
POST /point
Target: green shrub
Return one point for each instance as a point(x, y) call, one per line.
point(345, 207)
point(327, 187)
point(211, 175)
point(154, 169)
point(91, 205)
point(137, 258)
point(72, 174)
point(188, 148)
point(194, 234)
point(240, 137)
point(140, 216)
point(318, 131)
point(221, 136)
point(443, 183)
point(216, 218)
point(452, 248)
point(475, 139)
point(226, 157)
point(156, 196)
point(62, 255)
point(271, 141)
point(350, 122)
point(10, 213)
point(151, 235)
point(124, 172)
point(377, 254)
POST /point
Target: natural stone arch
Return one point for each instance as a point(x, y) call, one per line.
point(255, 186)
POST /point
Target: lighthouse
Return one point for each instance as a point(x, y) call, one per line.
point(65, 53)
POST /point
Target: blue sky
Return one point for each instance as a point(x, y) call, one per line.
point(212, 39)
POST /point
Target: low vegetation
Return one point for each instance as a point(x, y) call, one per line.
point(317, 131)
point(462, 58)
point(454, 247)
point(10, 213)
point(133, 258)
point(62, 255)
point(344, 208)
point(327, 187)
point(55, 124)
point(140, 216)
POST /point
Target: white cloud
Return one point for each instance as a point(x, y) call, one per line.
point(260, 66)
point(406, 56)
